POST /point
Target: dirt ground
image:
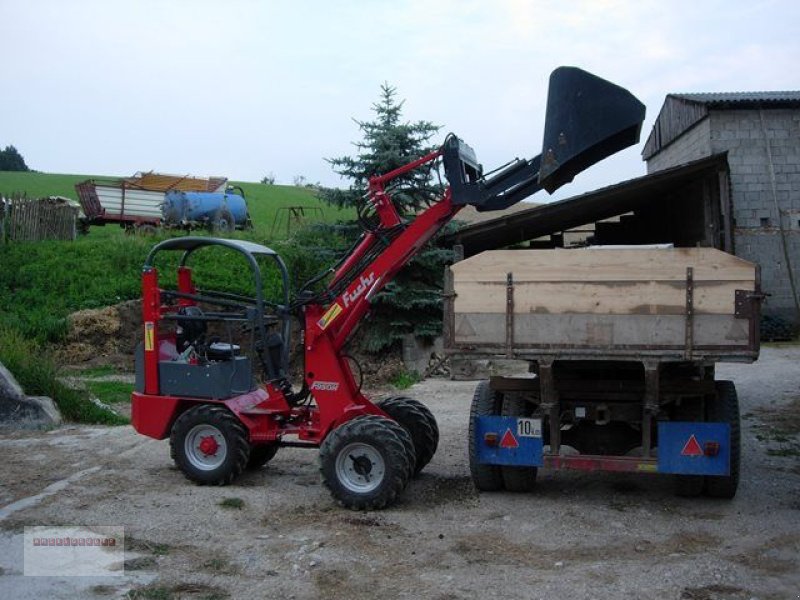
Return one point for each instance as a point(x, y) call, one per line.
point(578, 536)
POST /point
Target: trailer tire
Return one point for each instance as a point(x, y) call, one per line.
point(209, 445)
point(261, 455)
point(517, 479)
point(485, 403)
point(420, 424)
point(223, 221)
point(724, 408)
point(364, 446)
point(146, 229)
point(688, 486)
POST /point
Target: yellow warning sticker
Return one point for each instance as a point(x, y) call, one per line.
point(149, 336)
point(330, 315)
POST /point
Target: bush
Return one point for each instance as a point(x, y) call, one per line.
point(38, 376)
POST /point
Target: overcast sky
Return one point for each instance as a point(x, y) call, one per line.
point(245, 88)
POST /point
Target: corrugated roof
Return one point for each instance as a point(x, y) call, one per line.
point(718, 99)
point(591, 207)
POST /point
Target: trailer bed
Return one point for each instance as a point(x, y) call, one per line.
point(664, 304)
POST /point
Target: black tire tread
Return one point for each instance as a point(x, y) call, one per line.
point(405, 438)
point(386, 434)
point(487, 478)
point(260, 455)
point(725, 409)
point(225, 421)
point(416, 419)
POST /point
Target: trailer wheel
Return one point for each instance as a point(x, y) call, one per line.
point(146, 229)
point(724, 408)
point(223, 221)
point(420, 424)
point(517, 479)
point(485, 403)
point(261, 455)
point(209, 445)
point(364, 462)
point(688, 486)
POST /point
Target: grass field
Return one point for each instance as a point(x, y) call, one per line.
point(43, 282)
point(266, 202)
point(40, 283)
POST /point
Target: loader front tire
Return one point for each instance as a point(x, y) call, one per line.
point(420, 424)
point(364, 462)
point(209, 445)
point(485, 403)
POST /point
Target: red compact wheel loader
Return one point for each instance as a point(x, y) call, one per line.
point(201, 392)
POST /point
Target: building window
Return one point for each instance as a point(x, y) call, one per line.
point(765, 221)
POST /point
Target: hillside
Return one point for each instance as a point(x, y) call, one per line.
point(266, 202)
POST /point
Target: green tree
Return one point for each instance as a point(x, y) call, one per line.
point(388, 143)
point(11, 160)
point(411, 303)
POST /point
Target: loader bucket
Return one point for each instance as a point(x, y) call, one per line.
point(588, 119)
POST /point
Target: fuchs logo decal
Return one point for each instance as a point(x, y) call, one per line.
point(363, 285)
point(324, 386)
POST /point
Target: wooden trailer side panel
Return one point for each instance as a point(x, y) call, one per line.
point(683, 302)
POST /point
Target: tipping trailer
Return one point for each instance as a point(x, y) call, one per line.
point(147, 201)
point(622, 344)
point(201, 393)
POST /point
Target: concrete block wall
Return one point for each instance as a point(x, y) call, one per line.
point(765, 248)
point(740, 133)
point(757, 219)
point(757, 232)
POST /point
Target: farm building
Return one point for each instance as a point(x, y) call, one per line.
point(760, 132)
point(723, 172)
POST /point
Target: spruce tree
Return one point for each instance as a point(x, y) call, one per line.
point(412, 302)
point(387, 144)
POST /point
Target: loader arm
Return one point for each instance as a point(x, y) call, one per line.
point(593, 119)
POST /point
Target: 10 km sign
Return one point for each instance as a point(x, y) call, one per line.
point(529, 428)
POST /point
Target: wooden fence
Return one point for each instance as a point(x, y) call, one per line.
point(32, 220)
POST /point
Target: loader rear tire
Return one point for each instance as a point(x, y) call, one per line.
point(485, 403)
point(209, 445)
point(724, 408)
point(419, 422)
point(364, 462)
point(261, 455)
point(517, 479)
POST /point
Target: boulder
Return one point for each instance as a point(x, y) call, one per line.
point(18, 411)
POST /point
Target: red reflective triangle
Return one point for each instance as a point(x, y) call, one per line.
point(509, 441)
point(692, 448)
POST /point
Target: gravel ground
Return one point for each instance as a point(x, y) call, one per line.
point(578, 536)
